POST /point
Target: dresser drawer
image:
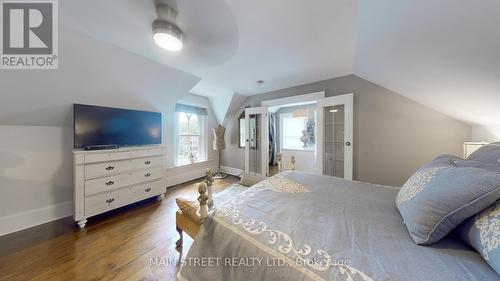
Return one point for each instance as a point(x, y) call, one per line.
point(147, 175)
point(147, 162)
point(117, 181)
point(106, 169)
point(108, 183)
point(106, 157)
point(146, 153)
point(107, 201)
point(148, 190)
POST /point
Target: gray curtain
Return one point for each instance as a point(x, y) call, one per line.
point(273, 140)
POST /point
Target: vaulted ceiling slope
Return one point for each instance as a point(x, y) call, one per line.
point(90, 72)
point(443, 54)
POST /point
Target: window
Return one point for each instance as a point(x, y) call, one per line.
point(296, 133)
point(191, 144)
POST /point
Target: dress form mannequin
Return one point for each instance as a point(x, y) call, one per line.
point(219, 145)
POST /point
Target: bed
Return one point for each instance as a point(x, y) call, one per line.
point(297, 226)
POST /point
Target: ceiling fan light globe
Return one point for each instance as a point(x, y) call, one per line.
point(168, 41)
point(167, 35)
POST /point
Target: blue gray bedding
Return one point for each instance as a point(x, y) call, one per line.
point(297, 226)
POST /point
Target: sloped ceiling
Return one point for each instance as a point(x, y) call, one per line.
point(90, 72)
point(443, 54)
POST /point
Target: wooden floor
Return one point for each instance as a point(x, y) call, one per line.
point(114, 246)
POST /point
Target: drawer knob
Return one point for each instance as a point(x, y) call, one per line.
point(110, 183)
point(147, 162)
point(110, 200)
point(147, 189)
point(109, 168)
point(147, 175)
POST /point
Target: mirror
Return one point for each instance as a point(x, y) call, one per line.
point(253, 131)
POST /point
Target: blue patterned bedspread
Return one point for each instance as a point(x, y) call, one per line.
point(297, 226)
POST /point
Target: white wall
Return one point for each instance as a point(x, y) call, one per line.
point(35, 175)
point(486, 133)
point(182, 174)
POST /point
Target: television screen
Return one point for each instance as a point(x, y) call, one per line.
point(96, 125)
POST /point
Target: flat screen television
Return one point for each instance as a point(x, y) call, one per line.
point(105, 126)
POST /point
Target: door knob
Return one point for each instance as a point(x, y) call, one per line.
point(348, 143)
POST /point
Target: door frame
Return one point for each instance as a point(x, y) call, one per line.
point(348, 101)
point(264, 140)
point(311, 97)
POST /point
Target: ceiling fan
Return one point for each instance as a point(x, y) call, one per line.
point(166, 32)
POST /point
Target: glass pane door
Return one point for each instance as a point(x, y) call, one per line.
point(334, 151)
point(333, 159)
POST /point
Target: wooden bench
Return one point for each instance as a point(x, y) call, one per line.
point(191, 223)
point(187, 225)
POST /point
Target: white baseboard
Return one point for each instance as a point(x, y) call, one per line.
point(35, 217)
point(231, 170)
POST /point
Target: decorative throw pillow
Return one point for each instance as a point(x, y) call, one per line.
point(441, 195)
point(189, 208)
point(488, 154)
point(482, 232)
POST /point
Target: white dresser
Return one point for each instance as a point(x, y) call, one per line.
point(108, 179)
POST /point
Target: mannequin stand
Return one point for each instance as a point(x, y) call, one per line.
point(219, 174)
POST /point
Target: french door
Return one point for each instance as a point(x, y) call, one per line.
point(256, 141)
point(334, 145)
